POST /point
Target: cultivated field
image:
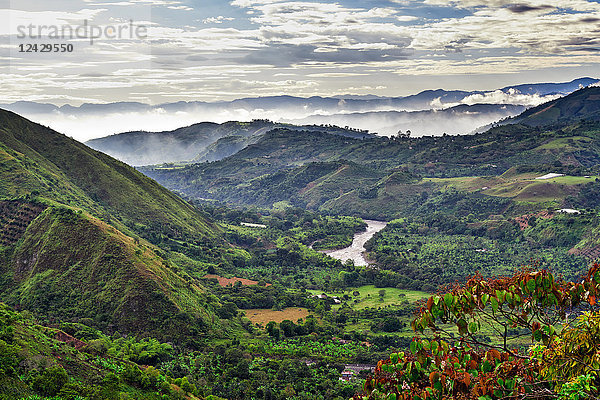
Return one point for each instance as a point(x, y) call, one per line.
point(264, 315)
point(231, 281)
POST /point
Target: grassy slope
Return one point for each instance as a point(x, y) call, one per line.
point(37, 159)
point(520, 187)
point(369, 296)
point(70, 266)
point(582, 104)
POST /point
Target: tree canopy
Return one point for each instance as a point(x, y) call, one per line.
point(528, 336)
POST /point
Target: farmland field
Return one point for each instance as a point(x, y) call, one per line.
point(227, 281)
point(264, 316)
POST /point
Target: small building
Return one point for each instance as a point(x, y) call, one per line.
point(549, 176)
point(248, 224)
point(347, 375)
point(568, 211)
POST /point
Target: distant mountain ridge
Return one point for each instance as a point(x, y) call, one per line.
point(419, 101)
point(212, 142)
point(89, 121)
point(192, 143)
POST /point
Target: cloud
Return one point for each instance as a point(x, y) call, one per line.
point(287, 55)
point(512, 96)
point(183, 8)
point(579, 5)
point(134, 2)
point(217, 20)
point(312, 47)
point(300, 32)
point(523, 8)
point(406, 18)
point(511, 26)
point(43, 18)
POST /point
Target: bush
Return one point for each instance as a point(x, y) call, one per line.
point(51, 381)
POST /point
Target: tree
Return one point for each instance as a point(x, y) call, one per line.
point(573, 354)
point(458, 361)
point(228, 310)
point(391, 324)
point(288, 328)
point(273, 330)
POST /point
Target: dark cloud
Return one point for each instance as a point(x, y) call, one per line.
point(271, 34)
point(283, 55)
point(581, 41)
point(168, 51)
point(592, 49)
point(167, 62)
point(520, 8)
point(94, 75)
point(590, 20)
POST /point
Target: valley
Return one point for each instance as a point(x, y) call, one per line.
point(300, 200)
point(256, 264)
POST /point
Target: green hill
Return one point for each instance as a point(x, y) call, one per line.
point(583, 104)
point(70, 246)
point(69, 266)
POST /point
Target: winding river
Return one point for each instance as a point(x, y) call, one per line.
point(355, 251)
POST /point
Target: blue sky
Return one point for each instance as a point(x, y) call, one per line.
point(211, 50)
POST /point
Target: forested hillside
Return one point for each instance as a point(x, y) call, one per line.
point(391, 175)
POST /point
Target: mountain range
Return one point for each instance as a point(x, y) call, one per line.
point(347, 175)
point(383, 115)
point(201, 142)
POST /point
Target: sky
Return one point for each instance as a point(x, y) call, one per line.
point(216, 50)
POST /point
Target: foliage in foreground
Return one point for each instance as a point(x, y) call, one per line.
point(457, 363)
